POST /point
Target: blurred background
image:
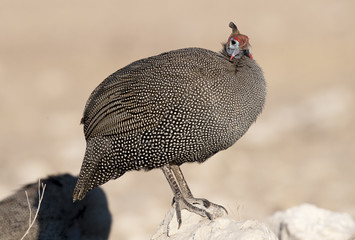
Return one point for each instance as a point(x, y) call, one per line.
point(302, 148)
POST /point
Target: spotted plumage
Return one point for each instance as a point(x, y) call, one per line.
point(176, 107)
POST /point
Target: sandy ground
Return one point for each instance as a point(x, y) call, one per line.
point(302, 148)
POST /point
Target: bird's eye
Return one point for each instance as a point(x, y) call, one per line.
point(233, 42)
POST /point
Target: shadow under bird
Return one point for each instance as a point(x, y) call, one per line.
point(160, 112)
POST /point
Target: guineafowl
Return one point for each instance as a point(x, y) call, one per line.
point(58, 218)
point(160, 112)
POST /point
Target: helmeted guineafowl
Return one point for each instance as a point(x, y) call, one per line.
point(176, 107)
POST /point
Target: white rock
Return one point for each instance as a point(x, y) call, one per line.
point(199, 228)
point(307, 222)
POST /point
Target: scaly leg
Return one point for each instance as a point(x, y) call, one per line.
point(183, 197)
point(181, 181)
point(187, 192)
point(180, 201)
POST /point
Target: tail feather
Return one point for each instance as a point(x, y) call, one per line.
point(91, 174)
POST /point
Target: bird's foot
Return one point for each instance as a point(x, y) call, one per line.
point(200, 206)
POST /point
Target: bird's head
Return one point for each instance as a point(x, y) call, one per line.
point(238, 44)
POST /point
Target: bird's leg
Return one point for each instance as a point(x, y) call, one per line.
point(187, 192)
point(181, 181)
point(180, 201)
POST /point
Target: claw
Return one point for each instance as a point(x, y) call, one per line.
point(183, 198)
point(219, 207)
point(225, 210)
point(178, 213)
point(173, 201)
point(209, 215)
point(208, 204)
point(199, 206)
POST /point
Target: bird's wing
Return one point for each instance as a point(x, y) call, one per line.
point(118, 107)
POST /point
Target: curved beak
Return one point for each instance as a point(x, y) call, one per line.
point(234, 53)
